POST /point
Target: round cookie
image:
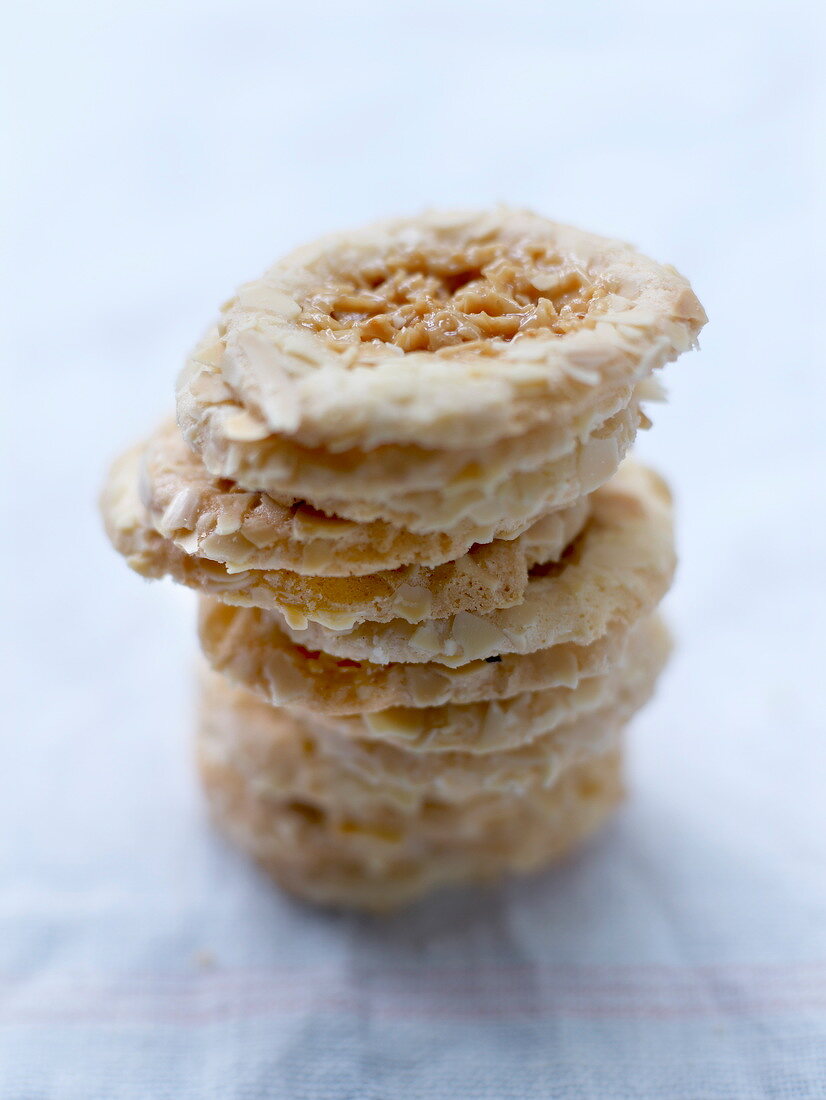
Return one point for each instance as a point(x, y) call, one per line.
point(218, 427)
point(618, 568)
point(296, 758)
point(488, 576)
point(480, 486)
point(450, 330)
point(515, 499)
point(252, 530)
point(250, 649)
point(497, 725)
point(390, 858)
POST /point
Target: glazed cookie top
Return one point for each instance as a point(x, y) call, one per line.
point(446, 330)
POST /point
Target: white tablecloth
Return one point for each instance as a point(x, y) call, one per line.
point(161, 155)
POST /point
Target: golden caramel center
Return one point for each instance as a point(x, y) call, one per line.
point(434, 299)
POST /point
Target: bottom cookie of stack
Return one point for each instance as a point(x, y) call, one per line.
point(339, 820)
point(385, 859)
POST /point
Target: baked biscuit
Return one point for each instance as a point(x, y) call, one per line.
point(180, 540)
point(617, 569)
point(248, 647)
point(379, 862)
point(422, 491)
point(297, 757)
point(218, 519)
point(454, 329)
point(497, 725)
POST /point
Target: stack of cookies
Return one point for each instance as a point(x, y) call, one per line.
point(428, 574)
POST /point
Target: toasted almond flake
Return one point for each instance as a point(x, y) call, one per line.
point(651, 389)
point(350, 354)
point(597, 462)
point(210, 354)
point(476, 637)
point(315, 525)
point(181, 512)
point(210, 387)
point(233, 567)
point(263, 296)
point(398, 722)
point(623, 337)
point(267, 369)
point(638, 318)
point(680, 337)
point(426, 639)
point(582, 374)
point(334, 620)
point(230, 582)
point(545, 280)
point(412, 603)
point(213, 546)
point(630, 333)
point(301, 345)
point(189, 543)
point(294, 616)
point(243, 427)
point(528, 351)
point(231, 515)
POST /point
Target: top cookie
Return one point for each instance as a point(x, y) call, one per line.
point(448, 331)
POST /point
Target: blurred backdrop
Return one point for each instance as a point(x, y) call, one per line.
point(159, 154)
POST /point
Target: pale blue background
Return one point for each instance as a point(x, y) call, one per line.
point(159, 154)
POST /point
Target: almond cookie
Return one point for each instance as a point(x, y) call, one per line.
point(379, 862)
point(488, 576)
point(252, 530)
point(250, 649)
point(618, 568)
point(216, 425)
point(511, 485)
point(298, 758)
point(450, 330)
point(500, 724)
point(515, 498)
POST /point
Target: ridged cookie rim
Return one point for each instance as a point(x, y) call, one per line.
point(626, 562)
point(284, 674)
point(487, 576)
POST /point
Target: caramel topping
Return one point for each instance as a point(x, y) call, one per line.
point(439, 297)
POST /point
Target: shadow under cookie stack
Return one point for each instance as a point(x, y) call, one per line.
point(428, 575)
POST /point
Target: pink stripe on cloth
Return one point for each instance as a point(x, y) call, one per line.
point(457, 993)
